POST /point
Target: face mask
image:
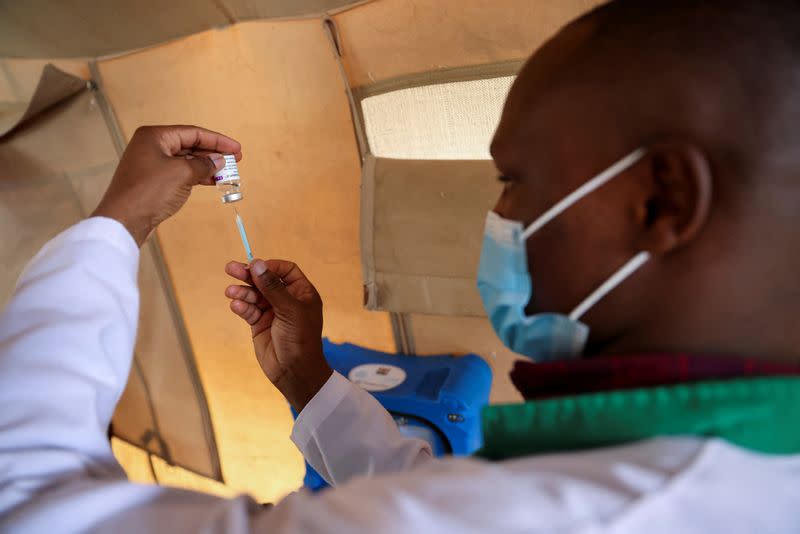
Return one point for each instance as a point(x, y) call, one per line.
point(504, 282)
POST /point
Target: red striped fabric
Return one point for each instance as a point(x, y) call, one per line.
point(608, 373)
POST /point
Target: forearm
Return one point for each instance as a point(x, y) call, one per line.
point(344, 432)
point(66, 345)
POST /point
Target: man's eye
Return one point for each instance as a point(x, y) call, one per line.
point(504, 178)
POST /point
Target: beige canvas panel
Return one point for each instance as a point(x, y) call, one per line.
point(53, 87)
point(37, 194)
point(179, 428)
point(134, 409)
point(11, 114)
point(20, 77)
point(83, 28)
point(422, 233)
point(58, 165)
point(270, 9)
point(137, 466)
point(437, 334)
point(300, 176)
point(86, 28)
point(444, 295)
point(390, 38)
point(35, 205)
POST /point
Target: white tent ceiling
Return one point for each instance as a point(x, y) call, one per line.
point(88, 28)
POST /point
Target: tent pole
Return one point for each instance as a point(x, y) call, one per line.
point(403, 337)
point(332, 32)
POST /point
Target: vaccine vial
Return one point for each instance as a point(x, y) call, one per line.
point(228, 181)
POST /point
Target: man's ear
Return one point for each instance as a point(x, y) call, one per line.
point(679, 188)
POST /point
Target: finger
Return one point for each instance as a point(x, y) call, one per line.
point(248, 312)
point(271, 286)
point(176, 138)
point(264, 323)
point(288, 271)
point(217, 159)
point(247, 294)
point(297, 284)
point(201, 170)
point(240, 271)
point(191, 152)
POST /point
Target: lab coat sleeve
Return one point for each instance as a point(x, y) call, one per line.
point(344, 432)
point(66, 345)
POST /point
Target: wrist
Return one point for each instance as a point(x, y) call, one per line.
point(138, 229)
point(299, 386)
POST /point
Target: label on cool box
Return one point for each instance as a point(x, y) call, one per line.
point(377, 377)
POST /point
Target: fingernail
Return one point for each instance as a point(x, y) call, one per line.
point(258, 268)
point(218, 160)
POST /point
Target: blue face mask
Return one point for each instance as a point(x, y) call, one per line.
point(504, 282)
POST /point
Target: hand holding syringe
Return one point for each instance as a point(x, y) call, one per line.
point(229, 184)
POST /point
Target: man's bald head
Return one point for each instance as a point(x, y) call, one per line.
point(726, 72)
point(712, 89)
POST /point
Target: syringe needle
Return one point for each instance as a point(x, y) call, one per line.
point(243, 233)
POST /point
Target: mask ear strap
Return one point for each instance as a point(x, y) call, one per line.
point(599, 180)
point(606, 287)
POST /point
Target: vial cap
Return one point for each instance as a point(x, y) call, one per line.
point(232, 197)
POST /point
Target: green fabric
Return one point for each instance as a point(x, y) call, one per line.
point(761, 414)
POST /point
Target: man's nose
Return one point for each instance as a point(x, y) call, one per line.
point(501, 205)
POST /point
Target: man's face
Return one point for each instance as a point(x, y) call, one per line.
point(552, 138)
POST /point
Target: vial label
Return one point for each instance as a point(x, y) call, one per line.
point(229, 173)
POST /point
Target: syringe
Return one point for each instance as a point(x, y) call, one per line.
point(243, 233)
point(229, 184)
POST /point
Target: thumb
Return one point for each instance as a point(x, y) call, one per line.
point(271, 286)
point(203, 167)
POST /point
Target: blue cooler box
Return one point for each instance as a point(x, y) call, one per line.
point(434, 398)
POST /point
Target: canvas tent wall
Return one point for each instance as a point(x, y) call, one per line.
point(378, 192)
point(46, 188)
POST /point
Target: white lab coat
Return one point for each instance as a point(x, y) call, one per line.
point(66, 343)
